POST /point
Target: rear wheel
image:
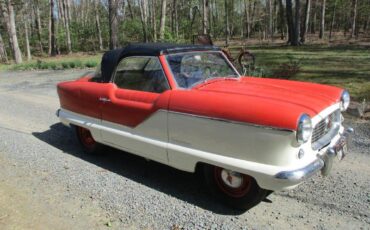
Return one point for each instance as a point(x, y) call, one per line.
point(234, 189)
point(87, 141)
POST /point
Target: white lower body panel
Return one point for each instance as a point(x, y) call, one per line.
point(182, 142)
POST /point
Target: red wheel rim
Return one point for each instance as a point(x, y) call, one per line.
point(232, 183)
point(86, 138)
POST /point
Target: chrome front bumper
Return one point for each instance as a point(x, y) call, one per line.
point(324, 162)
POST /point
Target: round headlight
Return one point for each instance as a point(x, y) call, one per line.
point(344, 100)
point(304, 129)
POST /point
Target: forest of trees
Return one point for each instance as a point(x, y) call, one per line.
point(51, 27)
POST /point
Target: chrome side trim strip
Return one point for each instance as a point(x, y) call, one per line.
point(232, 122)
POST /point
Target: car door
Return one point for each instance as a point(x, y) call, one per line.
point(134, 114)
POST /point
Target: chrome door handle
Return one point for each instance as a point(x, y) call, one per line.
point(104, 99)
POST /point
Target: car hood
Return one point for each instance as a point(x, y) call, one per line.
point(263, 101)
point(310, 98)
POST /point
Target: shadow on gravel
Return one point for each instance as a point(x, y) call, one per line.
point(182, 185)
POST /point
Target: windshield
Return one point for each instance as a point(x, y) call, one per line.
point(192, 68)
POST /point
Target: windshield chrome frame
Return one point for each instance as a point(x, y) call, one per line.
point(211, 51)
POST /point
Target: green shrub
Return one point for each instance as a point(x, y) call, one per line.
point(65, 65)
point(52, 65)
point(288, 69)
point(90, 64)
point(43, 65)
point(78, 64)
point(72, 65)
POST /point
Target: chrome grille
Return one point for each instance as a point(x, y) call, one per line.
point(325, 130)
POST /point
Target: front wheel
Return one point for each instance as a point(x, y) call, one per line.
point(232, 188)
point(87, 141)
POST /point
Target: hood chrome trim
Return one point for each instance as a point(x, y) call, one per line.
point(233, 122)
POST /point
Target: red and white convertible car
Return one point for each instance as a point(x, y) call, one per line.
point(186, 106)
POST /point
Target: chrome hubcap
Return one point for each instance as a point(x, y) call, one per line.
point(231, 178)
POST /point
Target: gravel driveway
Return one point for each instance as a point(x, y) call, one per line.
point(46, 181)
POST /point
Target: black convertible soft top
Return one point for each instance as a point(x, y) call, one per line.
point(111, 58)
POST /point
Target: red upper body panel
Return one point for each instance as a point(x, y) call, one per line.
point(261, 101)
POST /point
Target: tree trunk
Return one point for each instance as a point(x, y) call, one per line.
point(227, 29)
point(289, 17)
point(52, 44)
point(61, 11)
point(112, 15)
point(269, 13)
point(97, 24)
point(281, 19)
point(306, 21)
point(38, 24)
point(175, 3)
point(3, 54)
point(253, 16)
point(366, 24)
point(8, 14)
point(231, 17)
point(314, 18)
point(216, 18)
point(49, 35)
point(205, 16)
point(322, 27)
point(66, 21)
point(297, 23)
point(144, 18)
point(332, 20)
point(68, 12)
point(163, 20)
point(354, 14)
point(154, 19)
point(172, 13)
point(274, 18)
point(246, 15)
point(130, 9)
point(28, 50)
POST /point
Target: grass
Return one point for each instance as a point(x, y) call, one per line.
point(57, 63)
point(344, 66)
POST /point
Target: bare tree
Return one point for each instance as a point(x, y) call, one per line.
point(52, 38)
point(306, 21)
point(66, 9)
point(289, 17)
point(205, 16)
point(227, 29)
point(163, 20)
point(247, 18)
point(176, 18)
point(3, 54)
point(269, 13)
point(38, 24)
point(154, 19)
point(354, 15)
point(332, 19)
point(26, 24)
point(297, 23)
point(130, 9)
point(144, 18)
point(97, 24)
point(113, 24)
point(8, 14)
point(281, 19)
point(322, 27)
